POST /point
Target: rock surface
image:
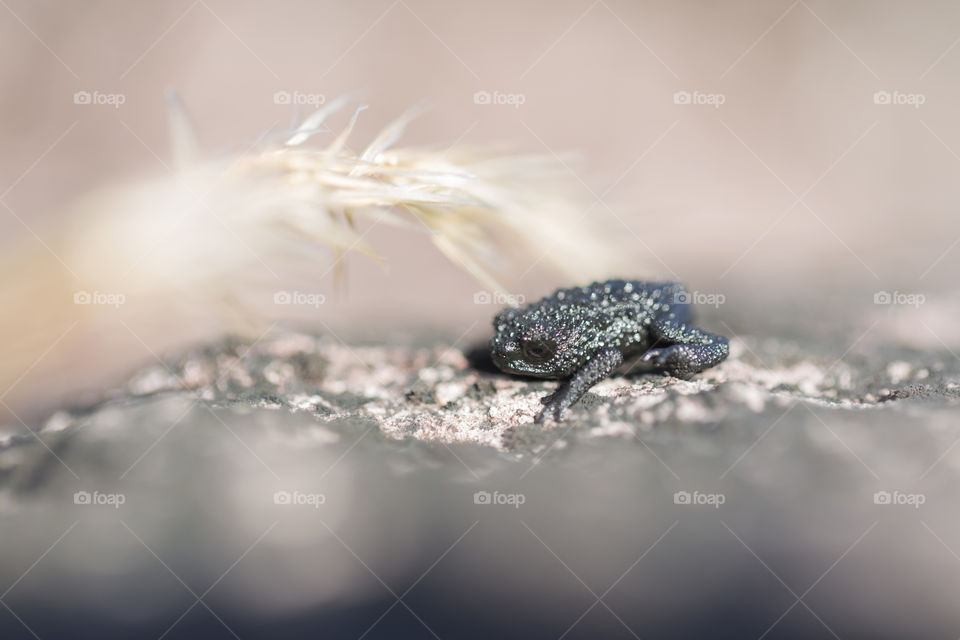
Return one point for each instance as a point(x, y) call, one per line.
point(268, 489)
point(442, 394)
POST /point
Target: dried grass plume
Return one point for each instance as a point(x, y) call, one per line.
point(194, 252)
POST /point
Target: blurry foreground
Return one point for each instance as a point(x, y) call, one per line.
point(804, 488)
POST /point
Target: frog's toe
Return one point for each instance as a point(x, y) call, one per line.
point(673, 360)
point(656, 357)
point(551, 409)
point(541, 415)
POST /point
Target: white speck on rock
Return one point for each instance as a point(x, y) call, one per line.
point(898, 371)
point(693, 411)
point(58, 422)
point(429, 375)
point(449, 391)
point(303, 402)
point(278, 372)
point(150, 380)
point(754, 397)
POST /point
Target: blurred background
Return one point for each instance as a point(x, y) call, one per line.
point(708, 188)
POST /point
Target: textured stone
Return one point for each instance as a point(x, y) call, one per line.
point(780, 451)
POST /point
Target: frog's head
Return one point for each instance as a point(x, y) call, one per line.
point(539, 342)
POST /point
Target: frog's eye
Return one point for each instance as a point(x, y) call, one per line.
point(537, 350)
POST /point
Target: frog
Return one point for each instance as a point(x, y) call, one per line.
point(581, 335)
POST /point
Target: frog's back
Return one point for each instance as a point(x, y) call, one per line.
point(617, 293)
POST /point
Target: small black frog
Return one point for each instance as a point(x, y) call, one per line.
point(583, 334)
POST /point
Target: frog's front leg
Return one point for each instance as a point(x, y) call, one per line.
point(596, 369)
point(689, 351)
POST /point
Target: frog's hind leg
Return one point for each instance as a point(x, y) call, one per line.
point(688, 350)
